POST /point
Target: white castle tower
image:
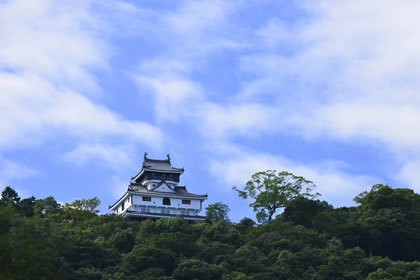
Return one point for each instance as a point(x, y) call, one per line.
point(154, 193)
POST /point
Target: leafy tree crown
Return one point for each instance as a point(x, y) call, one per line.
point(271, 191)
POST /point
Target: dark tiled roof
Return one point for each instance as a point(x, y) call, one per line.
point(158, 165)
point(179, 191)
point(162, 165)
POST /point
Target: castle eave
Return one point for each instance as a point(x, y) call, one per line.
point(112, 207)
point(135, 214)
point(170, 194)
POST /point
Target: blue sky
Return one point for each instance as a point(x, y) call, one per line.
point(324, 89)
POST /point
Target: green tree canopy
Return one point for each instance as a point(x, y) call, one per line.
point(271, 191)
point(378, 239)
point(88, 205)
point(26, 206)
point(80, 210)
point(217, 212)
point(390, 220)
point(46, 206)
point(9, 196)
point(307, 212)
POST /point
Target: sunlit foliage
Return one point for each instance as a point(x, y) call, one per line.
point(378, 239)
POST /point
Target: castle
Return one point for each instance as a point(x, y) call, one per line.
point(154, 193)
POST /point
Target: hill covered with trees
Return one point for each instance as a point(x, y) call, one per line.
point(378, 239)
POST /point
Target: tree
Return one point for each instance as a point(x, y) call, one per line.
point(9, 195)
point(26, 206)
point(88, 205)
point(81, 210)
point(47, 206)
point(389, 220)
point(308, 212)
point(271, 191)
point(193, 268)
point(144, 257)
point(217, 212)
point(245, 225)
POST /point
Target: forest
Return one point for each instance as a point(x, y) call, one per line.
point(379, 238)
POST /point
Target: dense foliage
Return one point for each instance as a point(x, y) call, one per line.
point(378, 239)
point(271, 191)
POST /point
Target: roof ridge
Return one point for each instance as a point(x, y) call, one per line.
point(157, 160)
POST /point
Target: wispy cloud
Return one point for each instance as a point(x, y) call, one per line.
point(219, 71)
point(353, 73)
point(332, 75)
point(116, 157)
point(334, 185)
point(47, 55)
point(347, 73)
point(52, 41)
point(243, 119)
point(12, 173)
point(409, 174)
point(203, 26)
point(172, 94)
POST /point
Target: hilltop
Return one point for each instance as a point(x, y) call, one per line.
point(378, 239)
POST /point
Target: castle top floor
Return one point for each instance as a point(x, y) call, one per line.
point(159, 170)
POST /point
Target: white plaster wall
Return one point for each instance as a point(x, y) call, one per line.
point(158, 202)
point(164, 188)
point(127, 203)
point(166, 210)
point(177, 202)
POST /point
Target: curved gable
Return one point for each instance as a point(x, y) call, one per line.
point(163, 187)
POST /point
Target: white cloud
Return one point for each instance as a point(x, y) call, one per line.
point(193, 32)
point(372, 64)
point(10, 170)
point(334, 185)
point(190, 33)
point(47, 53)
point(118, 186)
point(216, 121)
point(409, 175)
point(348, 72)
point(32, 105)
point(179, 98)
point(202, 27)
point(114, 156)
point(353, 73)
point(173, 94)
point(53, 41)
point(12, 173)
point(194, 17)
point(393, 124)
point(275, 33)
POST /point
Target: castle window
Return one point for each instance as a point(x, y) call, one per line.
point(122, 206)
point(186, 201)
point(166, 201)
point(147, 198)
